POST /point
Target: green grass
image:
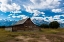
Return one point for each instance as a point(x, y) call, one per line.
point(7, 35)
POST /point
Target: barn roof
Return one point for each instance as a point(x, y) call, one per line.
point(21, 21)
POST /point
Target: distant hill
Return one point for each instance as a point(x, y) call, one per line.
point(37, 22)
point(7, 22)
point(62, 25)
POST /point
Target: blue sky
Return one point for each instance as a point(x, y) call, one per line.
point(47, 10)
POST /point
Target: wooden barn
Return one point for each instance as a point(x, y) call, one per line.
point(25, 24)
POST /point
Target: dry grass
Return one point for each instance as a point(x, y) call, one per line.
point(55, 38)
point(51, 35)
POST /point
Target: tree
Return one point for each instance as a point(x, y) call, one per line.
point(54, 24)
point(44, 26)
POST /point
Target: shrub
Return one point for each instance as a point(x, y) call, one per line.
point(44, 26)
point(54, 24)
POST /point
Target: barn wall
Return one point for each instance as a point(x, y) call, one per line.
point(18, 27)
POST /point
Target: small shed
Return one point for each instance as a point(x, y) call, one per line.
point(9, 28)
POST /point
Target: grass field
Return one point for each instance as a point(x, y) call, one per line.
point(45, 35)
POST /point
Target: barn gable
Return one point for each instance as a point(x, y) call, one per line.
point(29, 24)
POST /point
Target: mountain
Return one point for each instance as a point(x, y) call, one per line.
point(7, 22)
point(39, 22)
point(62, 25)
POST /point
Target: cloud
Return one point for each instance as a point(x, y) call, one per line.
point(0, 19)
point(10, 14)
point(45, 4)
point(7, 6)
point(36, 7)
point(14, 16)
point(62, 20)
point(37, 13)
point(57, 10)
point(37, 18)
point(28, 9)
point(61, 15)
point(15, 12)
point(50, 18)
point(56, 17)
point(20, 16)
point(42, 5)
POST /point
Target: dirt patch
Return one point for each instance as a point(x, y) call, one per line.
point(29, 39)
point(43, 39)
point(40, 38)
point(55, 38)
point(25, 39)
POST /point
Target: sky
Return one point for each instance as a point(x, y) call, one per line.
point(47, 10)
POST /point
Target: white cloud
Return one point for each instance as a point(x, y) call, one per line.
point(37, 13)
point(20, 16)
point(42, 18)
point(62, 20)
point(37, 18)
point(15, 12)
point(42, 4)
point(43, 15)
point(10, 14)
point(50, 18)
point(62, 15)
point(14, 16)
point(56, 17)
point(0, 19)
point(28, 8)
point(56, 10)
point(7, 6)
